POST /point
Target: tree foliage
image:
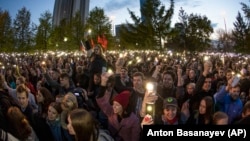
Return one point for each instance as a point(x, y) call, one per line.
point(23, 38)
point(240, 33)
point(149, 31)
point(191, 33)
point(6, 32)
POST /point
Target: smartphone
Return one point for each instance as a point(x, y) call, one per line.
point(235, 81)
point(150, 109)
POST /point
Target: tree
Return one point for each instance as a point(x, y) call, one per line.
point(191, 33)
point(150, 31)
point(22, 30)
point(43, 31)
point(240, 32)
point(6, 32)
point(99, 24)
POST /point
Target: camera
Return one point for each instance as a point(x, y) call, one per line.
point(150, 109)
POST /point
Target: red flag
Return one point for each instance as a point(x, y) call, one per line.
point(99, 40)
point(104, 42)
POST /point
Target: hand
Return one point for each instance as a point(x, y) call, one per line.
point(147, 120)
point(150, 97)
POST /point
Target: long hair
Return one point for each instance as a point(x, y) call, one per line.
point(84, 125)
point(19, 125)
point(209, 107)
point(48, 98)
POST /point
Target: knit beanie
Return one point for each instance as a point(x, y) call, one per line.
point(123, 98)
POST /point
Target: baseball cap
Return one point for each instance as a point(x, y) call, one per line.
point(170, 101)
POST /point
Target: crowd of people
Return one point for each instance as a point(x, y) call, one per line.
point(104, 96)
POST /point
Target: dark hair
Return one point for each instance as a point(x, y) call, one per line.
point(84, 125)
point(20, 126)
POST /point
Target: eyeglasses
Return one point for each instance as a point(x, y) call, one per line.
point(208, 82)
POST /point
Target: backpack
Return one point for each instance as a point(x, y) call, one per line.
point(104, 135)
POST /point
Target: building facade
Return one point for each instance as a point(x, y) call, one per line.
point(66, 9)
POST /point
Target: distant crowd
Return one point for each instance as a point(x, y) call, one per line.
point(112, 95)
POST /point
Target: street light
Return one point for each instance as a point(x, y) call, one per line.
point(65, 39)
point(89, 31)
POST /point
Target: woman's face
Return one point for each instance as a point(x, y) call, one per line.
point(202, 107)
point(117, 108)
point(66, 104)
point(39, 97)
point(52, 113)
point(70, 127)
point(170, 112)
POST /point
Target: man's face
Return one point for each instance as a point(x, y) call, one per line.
point(64, 82)
point(123, 73)
point(23, 99)
point(207, 84)
point(235, 93)
point(137, 82)
point(167, 81)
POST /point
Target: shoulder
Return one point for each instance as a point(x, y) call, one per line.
point(104, 135)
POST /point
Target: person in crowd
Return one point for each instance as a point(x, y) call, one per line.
point(83, 126)
point(19, 126)
point(245, 115)
point(220, 118)
point(54, 122)
point(204, 114)
point(137, 93)
point(13, 92)
point(171, 114)
point(69, 103)
point(23, 100)
point(6, 136)
point(122, 80)
point(44, 98)
point(97, 63)
point(191, 78)
point(203, 87)
point(123, 124)
point(228, 101)
point(6, 101)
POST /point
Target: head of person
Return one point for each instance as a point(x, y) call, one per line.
point(55, 74)
point(229, 74)
point(65, 80)
point(138, 78)
point(220, 118)
point(246, 110)
point(168, 79)
point(123, 72)
point(69, 102)
point(97, 78)
point(82, 125)
point(192, 74)
point(234, 92)
point(170, 108)
point(20, 80)
point(190, 88)
point(206, 106)
point(207, 83)
point(19, 124)
point(54, 111)
point(22, 96)
point(44, 96)
point(121, 102)
point(98, 50)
